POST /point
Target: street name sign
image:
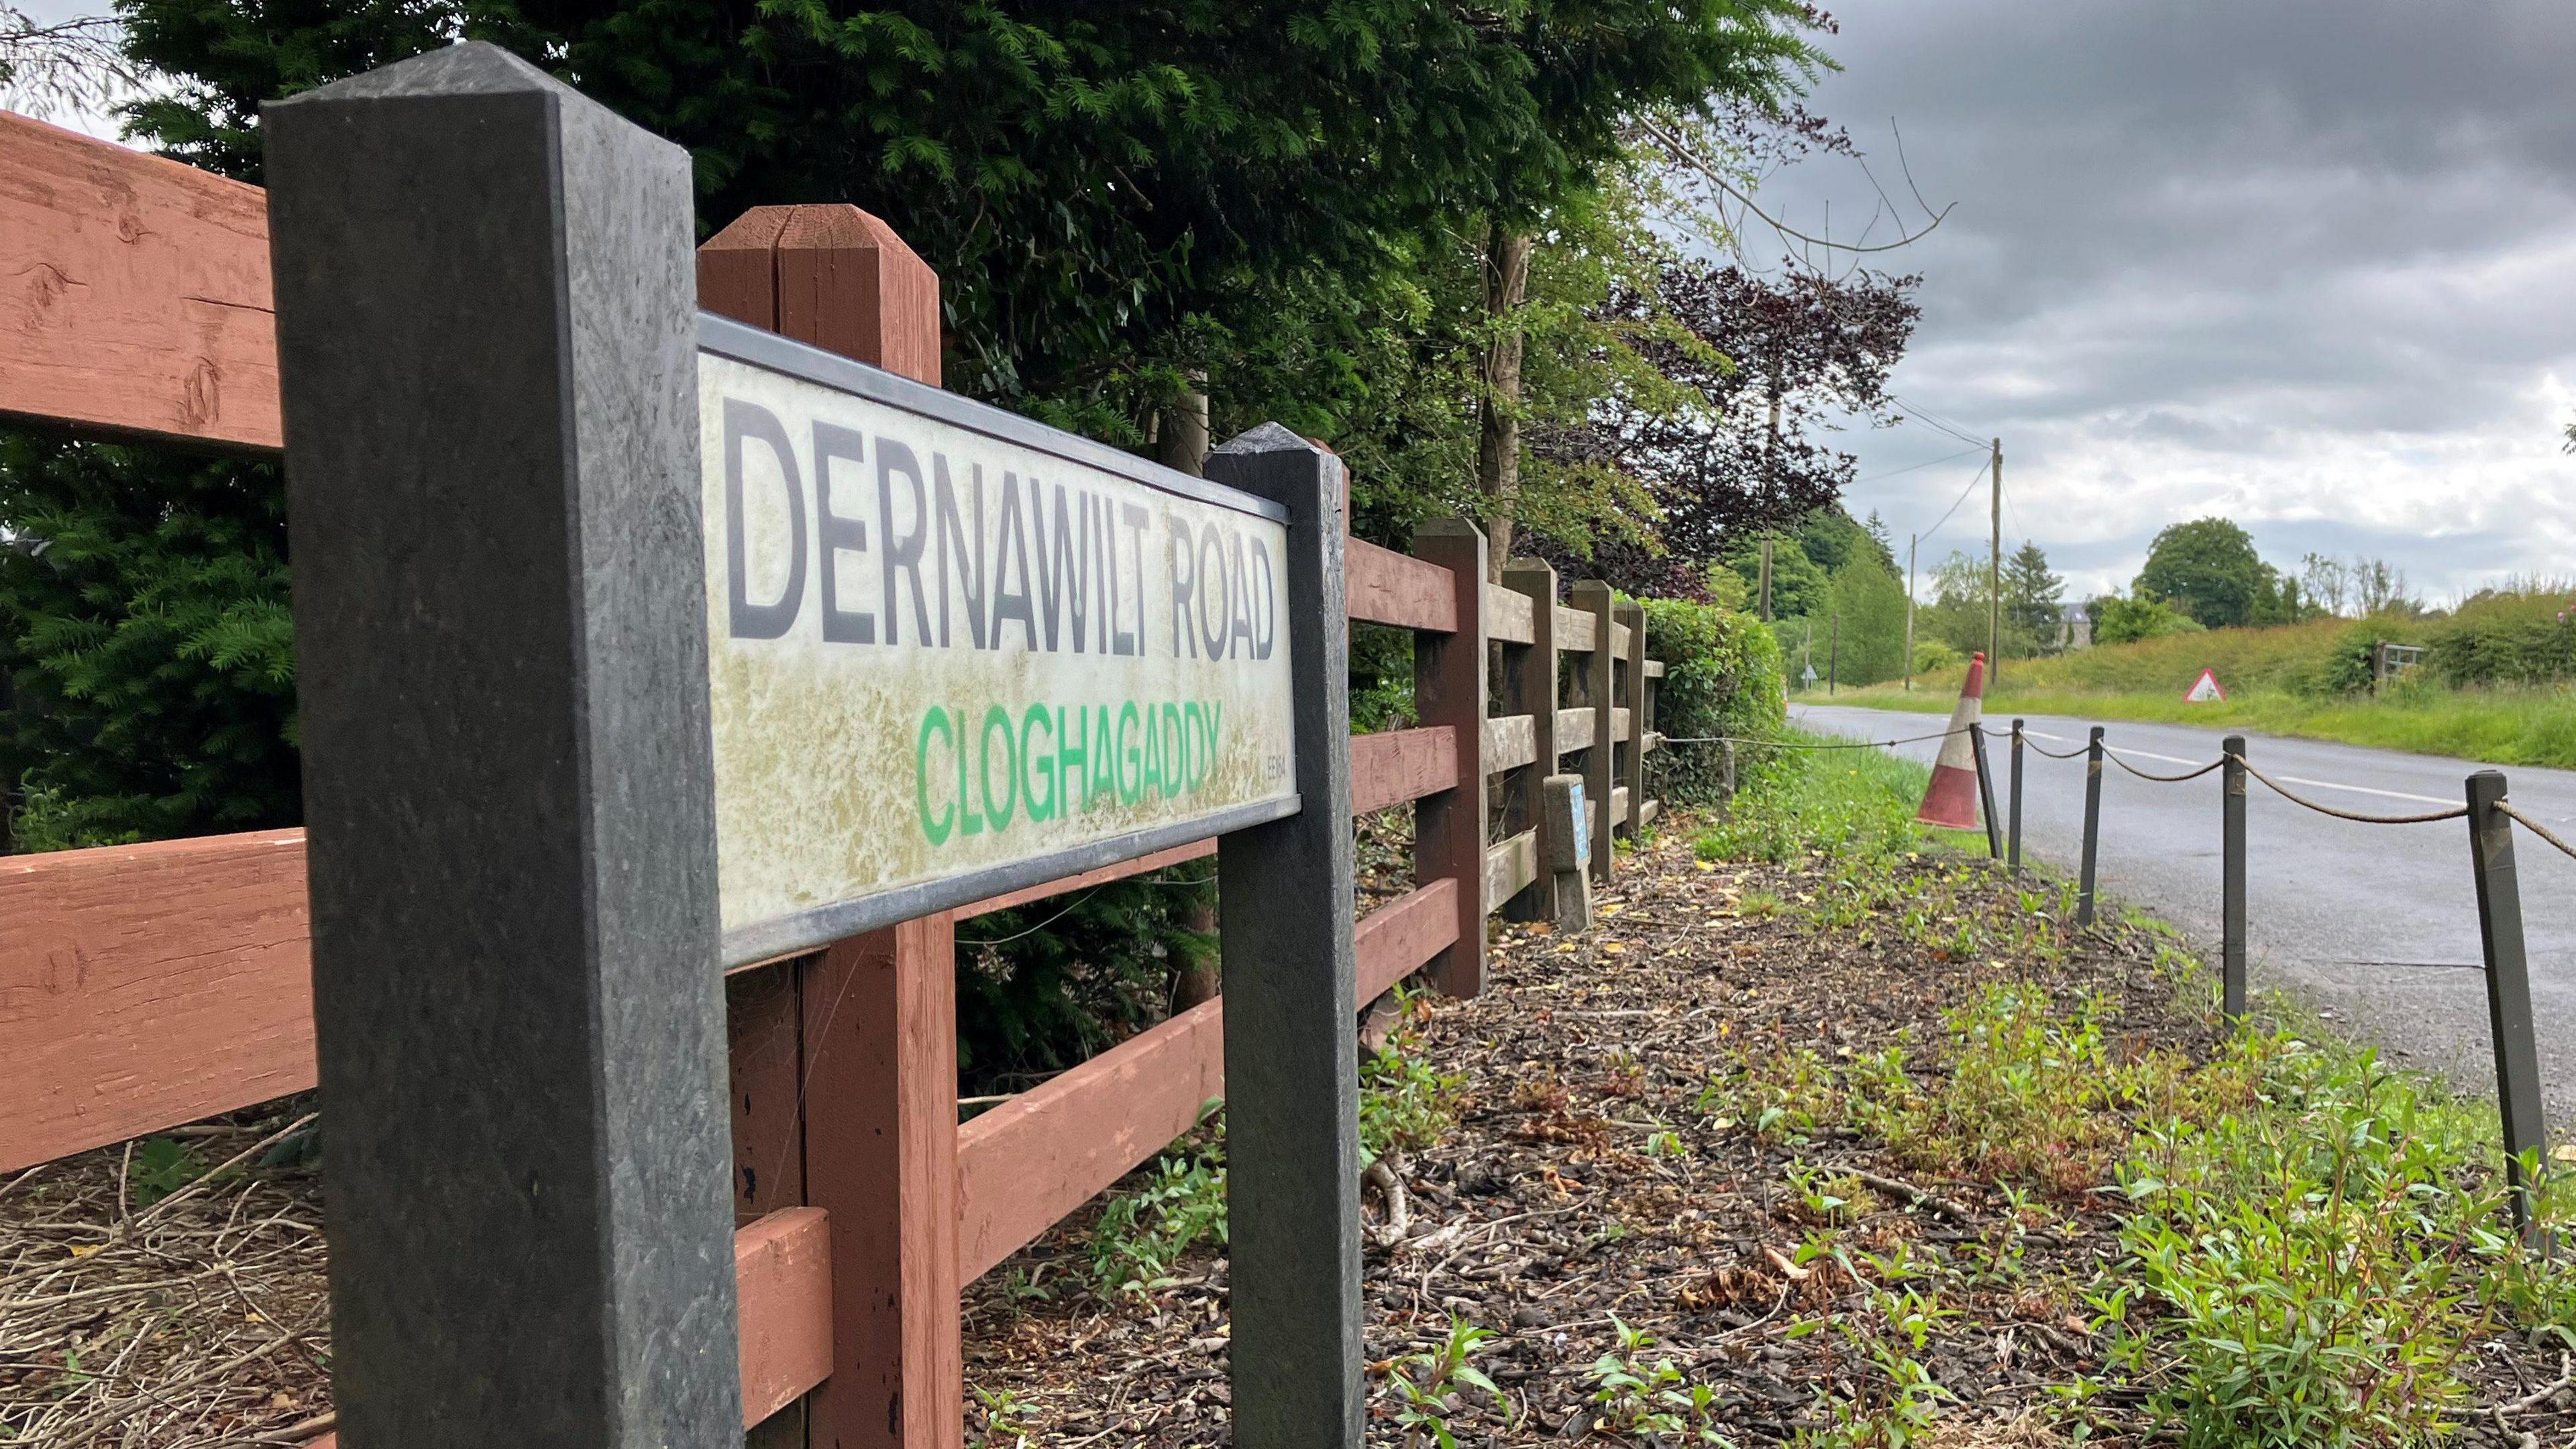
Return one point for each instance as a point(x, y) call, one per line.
point(953, 652)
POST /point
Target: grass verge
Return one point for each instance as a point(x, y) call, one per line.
point(2315, 1249)
point(2496, 726)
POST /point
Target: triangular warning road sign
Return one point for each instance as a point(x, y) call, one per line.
point(2204, 689)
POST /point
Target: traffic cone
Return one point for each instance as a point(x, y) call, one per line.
point(1951, 799)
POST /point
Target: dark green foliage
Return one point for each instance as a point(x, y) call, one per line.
point(144, 626)
point(1721, 677)
point(1797, 584)
point(2125, 621)
point(2497, 637)
point(1869, 599)
point(2031, 594)
point(1044, 986)
point(2208, 569)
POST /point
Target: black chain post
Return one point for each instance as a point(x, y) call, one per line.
point(1986, 792)
point(2517, 1057)
point(2231, 1000)
point(2012, 848)
point(2092, 825)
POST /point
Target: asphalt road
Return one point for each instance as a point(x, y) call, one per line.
point(2375, 925)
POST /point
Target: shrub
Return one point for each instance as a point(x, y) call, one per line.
point(1721, 677)
point(2501, 637)
point(2125, 621)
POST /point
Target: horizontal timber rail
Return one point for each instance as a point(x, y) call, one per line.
point(146, 986)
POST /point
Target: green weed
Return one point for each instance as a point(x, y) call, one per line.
point(1429, 1382)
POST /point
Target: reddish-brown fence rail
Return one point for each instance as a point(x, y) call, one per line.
point(146, 986)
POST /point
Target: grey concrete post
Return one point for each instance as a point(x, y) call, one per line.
point(2012, 844)
point(2517, 1056)
point(1291, 1057)
point(487, 348)
point(1599, 763)
point(2231, 873)
point(2092, 826)
point(1567, 858)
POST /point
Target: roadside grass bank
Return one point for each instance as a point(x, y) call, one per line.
point(1828, 1136)
point(2531, 726)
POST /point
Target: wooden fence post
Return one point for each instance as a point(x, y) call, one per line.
point(1449, 689)
point(1591, 596)
point(1632, 698)
point(1284, 891)
point(489, 363)
point(865, 1125)
point(1529, 687)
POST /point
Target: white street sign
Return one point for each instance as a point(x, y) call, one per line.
point(955, 652)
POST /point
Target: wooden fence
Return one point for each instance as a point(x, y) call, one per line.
point(146, 986)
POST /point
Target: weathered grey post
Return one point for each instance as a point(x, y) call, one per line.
point(487, 349)
point(2517, 1057)
point(1986, 792)
point(1449, 689)
point(2012, 845)
point(1291, 1057)
point(1591, 596)
point(1529, 685)
point(2092, 826)
point(2231, 872)
point(1568, 857)
point(1632, 698)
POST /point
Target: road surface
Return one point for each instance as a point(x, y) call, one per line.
point(2376, 925)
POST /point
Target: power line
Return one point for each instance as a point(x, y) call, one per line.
point(1974, 479)
point(1892, 472)
point(1936, 420)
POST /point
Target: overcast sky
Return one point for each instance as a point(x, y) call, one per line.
point(2307, 264)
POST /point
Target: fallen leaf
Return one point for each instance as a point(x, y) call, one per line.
point(83, 1250)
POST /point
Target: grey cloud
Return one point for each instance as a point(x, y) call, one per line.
point(2279, 260)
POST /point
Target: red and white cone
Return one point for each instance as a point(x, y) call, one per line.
point(1951, 799)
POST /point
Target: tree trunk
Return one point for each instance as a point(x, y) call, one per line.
point(1181, 434)
point(1498, 449)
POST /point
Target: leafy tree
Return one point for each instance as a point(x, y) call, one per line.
point(2031, 592)
point(1798, 586)
point(2208, 569)
point(1772, 362)
point(1113, 197)
point(1870, 600)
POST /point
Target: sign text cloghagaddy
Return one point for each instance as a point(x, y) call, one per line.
point(953, 652)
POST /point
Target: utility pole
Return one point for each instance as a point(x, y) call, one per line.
point(1833, 654)
point(1912, 541)
point(1770, 490)
point(1995, 576)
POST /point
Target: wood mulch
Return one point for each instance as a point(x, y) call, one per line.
point(1549, 1211)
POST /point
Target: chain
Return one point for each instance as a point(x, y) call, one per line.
point(2076, 753)
point(2456, 812)
point(2162, 779)
point(2535, 827)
